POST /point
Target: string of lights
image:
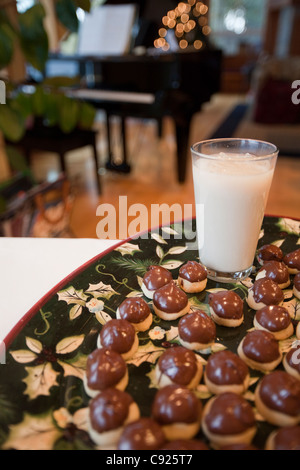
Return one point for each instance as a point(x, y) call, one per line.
point(188, 22)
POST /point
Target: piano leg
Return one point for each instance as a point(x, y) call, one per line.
point(182, 139)
point(110, 165)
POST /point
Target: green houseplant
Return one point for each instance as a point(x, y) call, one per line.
point(46, 102)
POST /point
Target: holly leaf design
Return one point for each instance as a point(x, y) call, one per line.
point(36, 432)
point(72, 296)
point(146, 353)
point(23, 356)
point(74, 367)
point(69, 344)
point(75, 311)
point(101, 290)
point(171, 264)
point(102, 317)
point(39, 380)
point(289, 225)
point(176, 250)
point(158, 238)
point(127, 249)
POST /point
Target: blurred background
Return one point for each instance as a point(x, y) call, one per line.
point(102, 99)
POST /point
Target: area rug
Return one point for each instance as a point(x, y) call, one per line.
point(238, 123)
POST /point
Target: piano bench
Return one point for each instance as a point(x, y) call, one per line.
point(52, 139)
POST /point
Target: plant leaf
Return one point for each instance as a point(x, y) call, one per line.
point(171, 264)
point(69, 344)
point(34, 345)
point(101, 290)
point(72, 296)
point(33, 433)
point(39, 380)
point(12, 123)
point(75, 311)
point(66, 13)
point(23, 356)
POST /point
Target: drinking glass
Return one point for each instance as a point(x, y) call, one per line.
point(232, 179)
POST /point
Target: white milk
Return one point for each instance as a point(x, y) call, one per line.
point(234, 195)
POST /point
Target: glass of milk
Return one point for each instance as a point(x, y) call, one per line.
point(232, 179)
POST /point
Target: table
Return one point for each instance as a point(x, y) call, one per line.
point(40, 262)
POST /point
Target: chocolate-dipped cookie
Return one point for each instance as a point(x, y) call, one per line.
point(192, 277)
point(296, 286)
point(136, 311)
point(269, 253)
point(260, 350)
point(276, 271)
point(226, 308)
point(286, 438)
point(264, 292)
point(292, 260)
point(196, 331)
point(226, 372)
point(277, 398)
point(178, 411)
point(291, 361)
point(104, 369)
point(276, 320)
point(185, 444)
point(109, 412)
point(228, 419)
point(120, 336)
point(170, 302)
point(155, 277)
point(143, 434)
point(180, 366)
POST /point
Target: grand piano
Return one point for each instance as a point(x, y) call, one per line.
point(151, 85)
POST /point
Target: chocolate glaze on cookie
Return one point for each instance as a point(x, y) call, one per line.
point(170, 298)
point(280, 392)
point(156, 277)
point(229, 414)
point(267, 291)
point(273, 318)
point(193, 272)
point(143, 434)
point(105, 368)
point(134, 310)
point(270, 253)
point(261, 346)
point(109, 409)
point(287, 438)
point(176, 404)
point(179, 364)
point(292, 260)
point(226, 368)
point(197, 327)
point(118, 335)
point(276, 271)
point(226, 304)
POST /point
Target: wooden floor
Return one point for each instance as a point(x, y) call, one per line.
point(153, 176)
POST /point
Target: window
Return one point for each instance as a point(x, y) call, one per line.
point(236, 23)
point(23, 5)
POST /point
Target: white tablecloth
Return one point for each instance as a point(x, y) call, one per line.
point(30, 267)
